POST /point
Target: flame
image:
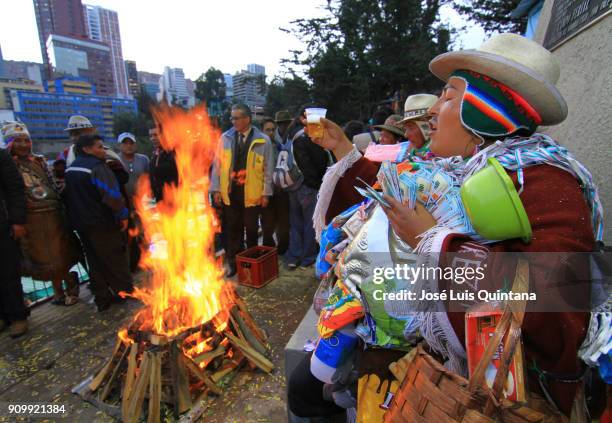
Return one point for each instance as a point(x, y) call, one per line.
point(186, 286)
point(125, 338)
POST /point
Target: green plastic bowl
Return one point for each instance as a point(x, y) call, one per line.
point(493, 205)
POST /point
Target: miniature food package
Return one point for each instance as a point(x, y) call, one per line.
point(480, 323)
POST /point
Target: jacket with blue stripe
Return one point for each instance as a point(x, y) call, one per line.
point(92, 193)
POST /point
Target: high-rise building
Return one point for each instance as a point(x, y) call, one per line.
point(83, 58)
point(15, 69)
point(61, 17)
point(46, 115)
point(229, 87)
point(191, 87)
point(103, 25)
point(6, 85)
point(249, 88)
point(256, 69)
point(173, 87)
point(70, 85)
point(150, 83)
point(132, 77)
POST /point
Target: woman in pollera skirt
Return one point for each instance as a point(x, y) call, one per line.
point(49, 248)
point(494, 99)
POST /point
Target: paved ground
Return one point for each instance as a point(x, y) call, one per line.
point(67, 344)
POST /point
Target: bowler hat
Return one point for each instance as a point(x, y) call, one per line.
point(282, 116)
point(391, 125)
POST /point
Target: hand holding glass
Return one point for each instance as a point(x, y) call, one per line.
point(313, 122)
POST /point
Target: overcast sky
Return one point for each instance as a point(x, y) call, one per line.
point(191, 34)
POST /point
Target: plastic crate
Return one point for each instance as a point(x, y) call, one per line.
point(257, 266)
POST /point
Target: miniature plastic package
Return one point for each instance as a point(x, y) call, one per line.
point(480, 322)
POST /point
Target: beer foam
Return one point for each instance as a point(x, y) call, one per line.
point(314, 115)
point(313, 118)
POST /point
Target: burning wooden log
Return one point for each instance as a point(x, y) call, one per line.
point(180, 381)
point(209, 356)
point(180, 371)
point(130, 376)
point(246, 331)
point(97, 381)
point(251, 354)
point(200, 374)
point(136, 396)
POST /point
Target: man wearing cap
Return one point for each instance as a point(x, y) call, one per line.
point(97, 210)
point(242, 180)
point(136, 164)
point(13, 312)
point(275, 217)
point(416, 122)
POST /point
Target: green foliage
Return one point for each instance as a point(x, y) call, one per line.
point(492, 15)
point(210, 89)
point(286, 93)
point(368, 52)
point(145, 104)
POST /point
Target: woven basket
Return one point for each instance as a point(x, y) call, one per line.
point(430, 393)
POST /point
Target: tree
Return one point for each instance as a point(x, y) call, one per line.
point(145, 103)
point(286, 93)
point(492, 15)
point(210, 89)
point(367, 52)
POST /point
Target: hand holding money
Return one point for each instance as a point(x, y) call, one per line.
point(407, 223)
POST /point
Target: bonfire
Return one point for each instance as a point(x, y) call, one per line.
point(193, 330)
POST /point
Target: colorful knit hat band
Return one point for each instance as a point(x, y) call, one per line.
point(491, 109)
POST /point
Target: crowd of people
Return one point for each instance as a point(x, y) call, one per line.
point(76, 211)
point(491, 105)
point(266, 187)
point(273, 182)
point(270, 176)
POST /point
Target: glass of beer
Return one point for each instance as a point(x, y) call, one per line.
point(313, 121)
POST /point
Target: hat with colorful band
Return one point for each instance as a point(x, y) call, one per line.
point(491, 109)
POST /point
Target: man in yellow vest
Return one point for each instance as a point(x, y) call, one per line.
point(242, 181)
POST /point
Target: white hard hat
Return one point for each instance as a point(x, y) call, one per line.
point(78, 122)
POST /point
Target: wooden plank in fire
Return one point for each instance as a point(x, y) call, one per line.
point(180, 381)
point(97, 381)
point(247, 331)
point(118, 367)
point(209, 356)
point(201, 374)
point(234, 364)
point(249, 319)
point(130, 377)
point(252, 355)
point(155, 389)
point(134, 408)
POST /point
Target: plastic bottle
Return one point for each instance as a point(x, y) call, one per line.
point(331, 353)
